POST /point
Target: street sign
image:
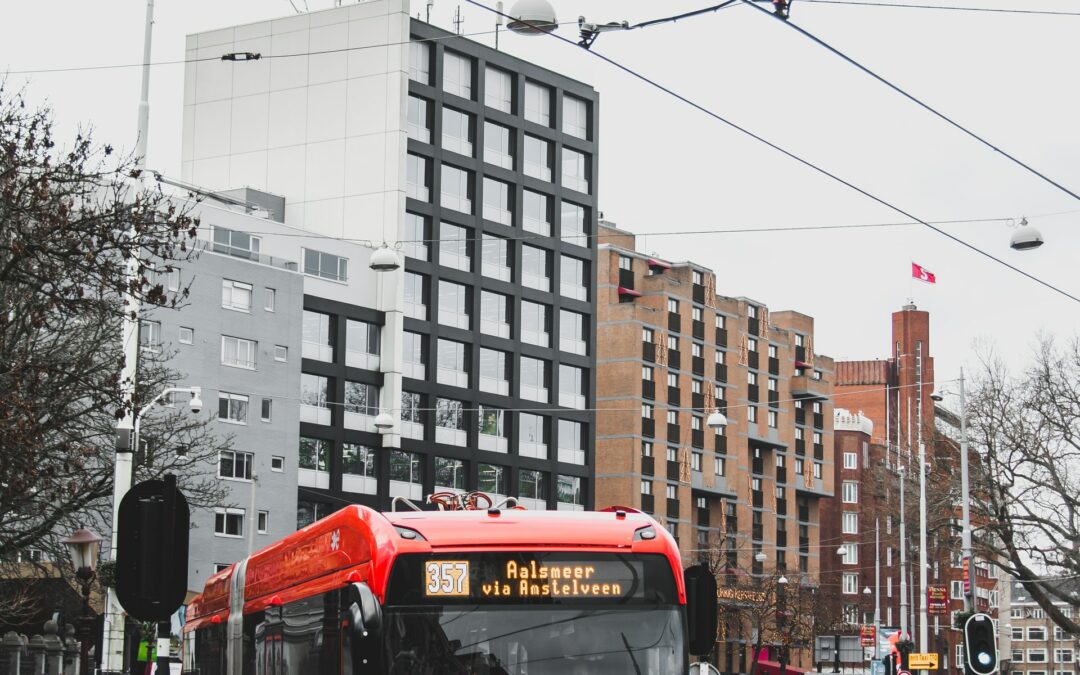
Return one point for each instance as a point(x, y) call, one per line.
point(920, 661)
point(903, 672)
point(152, 550)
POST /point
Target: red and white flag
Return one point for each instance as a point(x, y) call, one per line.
point(922, 274)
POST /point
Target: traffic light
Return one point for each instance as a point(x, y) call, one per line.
point(980, 645)
point(904, 649)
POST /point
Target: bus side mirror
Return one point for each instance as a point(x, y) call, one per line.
point(700, 609)
point(365, 623)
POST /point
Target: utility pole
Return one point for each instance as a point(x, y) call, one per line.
point(113, 638)
point(965, 499)
point(903, 556)
point(924, 638)
point(877, 587)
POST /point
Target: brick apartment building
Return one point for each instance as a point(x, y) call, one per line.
point(884, 409)
point(670, 351)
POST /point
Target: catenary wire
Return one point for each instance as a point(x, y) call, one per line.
point(805, 162)
point(919, 102)
point(860, 3)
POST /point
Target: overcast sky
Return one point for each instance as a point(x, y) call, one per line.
point(667, 168)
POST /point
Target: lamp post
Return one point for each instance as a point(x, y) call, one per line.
point(83, 547)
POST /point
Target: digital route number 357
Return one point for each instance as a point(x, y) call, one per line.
point(446, 578)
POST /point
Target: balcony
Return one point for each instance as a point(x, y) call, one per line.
point(721, 372)
point(533, 449)
point(409, 490)
point(648, 466)
point(568, 345)
point(496, 328)
point(721, 337)
point(626, 278)
point(314, 479)
point(452, 377)
point(804, 387)
point(492, 443)
point(774, 365)
point(360, 484)
point(359, 422)
point(648, 352)
point(752, 393)
point(819, 421)
point(813, 486)
point(314, 414)
point(674, 433)
point(781, 510)
point(363, 360)
point(757, 532)
point(718, 485)
point(647, 504)
point(673, 396)
point(774, 399)
point(697, 401)
point(753, 360)
point(720, 444)
point(753, 326)
point(648, 427)
point(673, 470)
point(536, 337)
point(702, 517)
point(451, 436)
point(698, 294)
point(413, 430)
point(317, 351)
point(697, 438)
point(697, 328)
point(673, 508)
point(781, 538)
point(569, 399)
point(493, 385)
point(572, 455)
point(417, 371)
point(648, 389)
point(674, 322)
point(674, 359)
point(534, 393)
point(697, 364)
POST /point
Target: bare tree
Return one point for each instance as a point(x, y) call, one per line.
point(71, 219)
point(1026, 488)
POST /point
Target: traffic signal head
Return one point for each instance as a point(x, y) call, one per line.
point(980, 644)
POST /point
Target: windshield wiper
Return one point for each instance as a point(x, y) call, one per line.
point(637, 669)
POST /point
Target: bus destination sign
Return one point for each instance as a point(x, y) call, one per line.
point(520, 579)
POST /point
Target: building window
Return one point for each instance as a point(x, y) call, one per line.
point(1036, 655)
point(281, 353)
point(457, 74)
point(534, 379)
point(491, 478)
point(238, 352)
point(850, 522)
point(416, 237)
point(314, 454)
point(535, 213)
point(415, 292)
point(457, 130)
point(535, 324)
point(572, 332)
point(452, 368)
point(495, 257)
point(571, 442)
point(269, 300)
point(450, 422)
point(314, 407)
point(575, 117)
point(573, 382)
point(1063, 655)
point(263, 523)
point(532, 435)
point(277, 463)
point(535, 268)
point(318, 336)
point(454, 304)
point(235, 295)
point(361, 344)
point(325, 265)
point(646, 487)
point(406, 477)
point(672, 417)
point(751, 413)
point(494, 372)
point(538, 158)
point(150, 336)
point(412, 415)
point(772, 419)
point(646, 449)
point(266, 411)
point(457, 189)
point(232, 408)
point(719, 466)
point(229, 522)
point(492, 428)
point(498, 89)
point(851, 460)
point(420, 62)
point(647, 411)
point(851, 554)
point(497, 201)
point(236, 244)
point(418, 177)
point(575, 170)
point(568, 493)
point(187, 335)
point(494, 314)
point(648, 336)
point(671, 491)
point(850, 583)
point(235, 465)
point(498, 147)
point(449, 475)
point(538, 103)
point(532, 489)
point(308, 512)
point(851, 492)
point(418, 121)
point(361, 399)
point(574, 282)
point(575, 229)
point(1036, 633)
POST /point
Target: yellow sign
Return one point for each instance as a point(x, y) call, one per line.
point(446, 578)
point(922, 661)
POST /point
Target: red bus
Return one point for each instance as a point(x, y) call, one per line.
point(492, 591)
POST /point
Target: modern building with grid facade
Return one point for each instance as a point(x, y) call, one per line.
point(480, 171)
point(670, 352)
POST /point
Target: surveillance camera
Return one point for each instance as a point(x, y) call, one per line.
point(196, 407)
point(196, 403)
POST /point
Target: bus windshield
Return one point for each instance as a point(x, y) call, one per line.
point(533, 613)
point(533, 640)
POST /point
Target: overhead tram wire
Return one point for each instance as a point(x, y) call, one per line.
point(919, 102)
point(862, 3)
point(791, 155)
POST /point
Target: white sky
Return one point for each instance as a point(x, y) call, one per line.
point(666, 168)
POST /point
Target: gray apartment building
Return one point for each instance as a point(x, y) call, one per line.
point(480, 171)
